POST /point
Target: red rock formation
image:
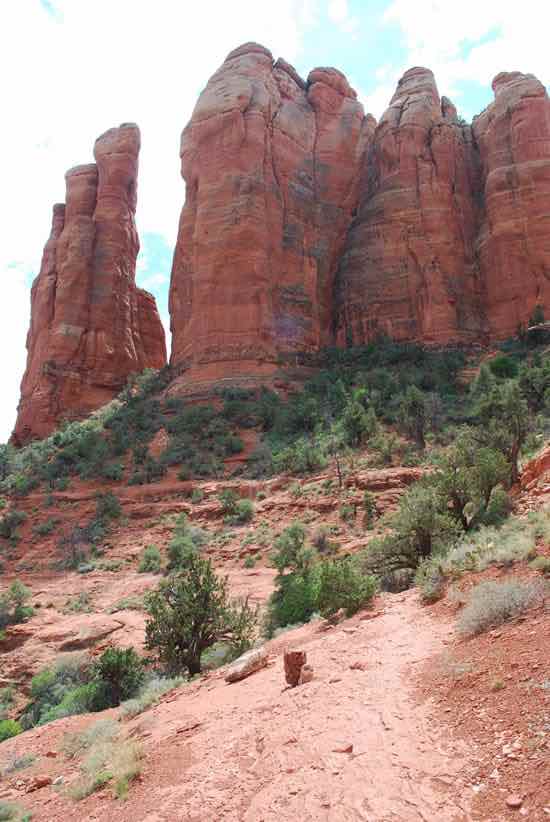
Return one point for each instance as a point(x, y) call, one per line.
point(409, 268)
point(90, 326)
point(271, 168)
point(513, 136)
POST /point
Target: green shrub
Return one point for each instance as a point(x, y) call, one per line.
point(503, 367)
point(541, 564)
point(492, 603)
point(10, 522)
point(197, 496)
point(343, 585)
point(249, 562)
point(13, 605)
point(421, 526)
point(244, 512)
point(120, 674)
point(430, 579)
point(9, 728)
point(191, 611)
point(302, 457)
point(228, 499)
point(45, 528)
point(150, 562)
point(370, 508)
point(113, 471)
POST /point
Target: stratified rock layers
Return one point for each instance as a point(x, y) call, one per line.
point(409, 269)
point(307, 224)
point(513, 137)
point(271, 166)
point(91, 327)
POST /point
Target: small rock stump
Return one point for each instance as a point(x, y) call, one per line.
point(294, 662)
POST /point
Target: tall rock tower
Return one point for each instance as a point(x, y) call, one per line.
point(271, 165)
point(91, 327)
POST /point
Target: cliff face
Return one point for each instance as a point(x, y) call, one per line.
point(90, 326)
point(307, 224)
point(513, 245)
point(271, 166)
point(409, 269)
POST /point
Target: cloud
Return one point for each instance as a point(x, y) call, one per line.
point(154, 280)
point(338, 13)
point(79, 67)
point(14, 320)
point(471, 42)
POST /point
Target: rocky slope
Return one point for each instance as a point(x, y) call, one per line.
point(90, 326)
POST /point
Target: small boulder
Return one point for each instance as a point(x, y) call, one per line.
point(247, 664)
point(306, 674)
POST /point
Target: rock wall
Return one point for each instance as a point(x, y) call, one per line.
point(409, 269)
point(513, 245)
point(271, 166)
point(308, 224)
point(90, 326)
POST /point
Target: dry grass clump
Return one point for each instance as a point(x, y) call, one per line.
point(492, 603)
point(149, 695)
point(109, 759)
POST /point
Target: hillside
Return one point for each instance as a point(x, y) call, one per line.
point(410, 714)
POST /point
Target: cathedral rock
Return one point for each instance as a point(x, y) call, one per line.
point(306, 224)
point(90, 326)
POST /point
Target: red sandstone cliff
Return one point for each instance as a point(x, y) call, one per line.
point(90, 326)
point(513, 137)
point(271, 166)
point(409, 268)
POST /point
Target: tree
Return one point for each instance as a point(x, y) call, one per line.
point(534, 381)
point(420, 527)
point(467, 476)
point(503, 417)
point(358, 423)
point(413, 415)
point(119, 672)
point(191, 611)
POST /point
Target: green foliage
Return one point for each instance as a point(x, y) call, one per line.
point(358, 423)
point(503, 422)
point(149, 694)
point(304, 456)
point(120, 674)
point(413, 415)
point(45, 528)
point(503, 367)
point(534, 381)
point(492, 603)
point(420, 527)
point(342, 584)
point(10, 522)
point(83, 540)
point(150, 562)
point(197, 496)
point(76, 684)
point(13, 605)
point(541, 564)
point(430, 579)
point(467, 477)
point(185, 542)
point(9, 728)
point(191, 611)
point(370, 508)
point(306, 585)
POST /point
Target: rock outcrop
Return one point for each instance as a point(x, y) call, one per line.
point(513, 246)
point(308, 224)
point(91, 327)
point(409, 269)
point(271, 166)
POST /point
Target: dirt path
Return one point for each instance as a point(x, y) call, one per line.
point(261, 753)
